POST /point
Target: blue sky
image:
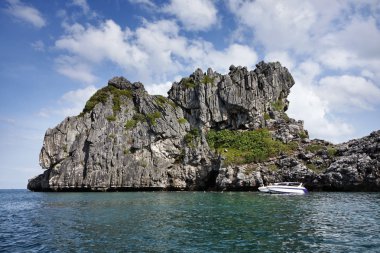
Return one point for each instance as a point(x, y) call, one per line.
point(55, 54)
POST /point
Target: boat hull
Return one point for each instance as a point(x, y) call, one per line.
point(287, 190)
point(284, 188)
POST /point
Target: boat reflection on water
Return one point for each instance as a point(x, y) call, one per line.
point(284, 188)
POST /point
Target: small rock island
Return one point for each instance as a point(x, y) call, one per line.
point(212, 132)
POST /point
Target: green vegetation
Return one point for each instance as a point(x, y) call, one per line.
point(315, 168)
point(239, 147)
point(249, 170)
point(101, 96)
point(285, 117)
point(161, 101)
point(207, 79)
point(182, 120)
point(191, 136)
point(272, 167)
point(278, 105)
point(130, 124)
point(314, 148)
point(293, 145)
point(266, 116)
point(139, 117)
point(152, 117)
point(331, 151)
point(188, 82)
point(111, 118)
point(303, 135)
point(181, 156)
point(126, 151)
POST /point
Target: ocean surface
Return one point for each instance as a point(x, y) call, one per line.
point(188, 222)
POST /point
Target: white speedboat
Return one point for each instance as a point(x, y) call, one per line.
point(284, 187)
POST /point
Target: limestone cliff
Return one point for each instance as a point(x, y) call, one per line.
point(126, 139)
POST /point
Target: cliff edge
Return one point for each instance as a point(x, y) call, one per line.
point(213, 132)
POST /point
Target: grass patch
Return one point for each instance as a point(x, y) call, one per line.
point(331, 151)
point(239, 147)
point(267, 116)
point(207, 79)
point(152, 117)
point(278, 106)
point(285, 117)
point(188, 83)
point(102, 95)
point(139, 117)
point(249, 170)
point(303, 135)
point(315, 168)
point(161, 101)
point(180, 157)
point(191, 137)
point(130, 124)
point(182, 121)
point(111, 118)
point(272, 167)
point(314, 148)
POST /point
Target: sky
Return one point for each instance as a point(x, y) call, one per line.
point(55, 54)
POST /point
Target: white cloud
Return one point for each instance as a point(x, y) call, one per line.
point(38, 45)
point(71, 103)
point(277, 25)
point(25, 13)
point(314, 41)
point(195, 15)
point(307, 104)
point(240, 55)
point(153, 53)
point(159, 89)
point(75, 69)
point(147, 3)
point(82, 4)
point(349, 93)
point(282, 57)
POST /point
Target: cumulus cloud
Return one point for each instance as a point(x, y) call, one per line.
point(277, 25)
point(281, 56)
point(156, 52)
point(194, 15)
point(159, 89)
point(82, 4)
point(307, 104)
point(38, 45)
point(70, 104)
point(146, 3)
point(74, 69)
point(25, 13)
point(349, 93)
point(333, 54)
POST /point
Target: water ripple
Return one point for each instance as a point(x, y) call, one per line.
point(188, 222)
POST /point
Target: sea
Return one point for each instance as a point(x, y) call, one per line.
point(188, 222)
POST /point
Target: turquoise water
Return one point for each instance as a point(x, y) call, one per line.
point(188, 222)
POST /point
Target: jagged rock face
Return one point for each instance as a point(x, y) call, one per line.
point(237, 100)
point(126, 139)
point(352, 166)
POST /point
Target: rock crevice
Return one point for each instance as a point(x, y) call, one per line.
point(126, 139)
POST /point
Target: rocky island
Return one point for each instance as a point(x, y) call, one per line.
point(212, 132)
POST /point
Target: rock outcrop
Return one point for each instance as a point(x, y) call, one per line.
point(126, 139)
